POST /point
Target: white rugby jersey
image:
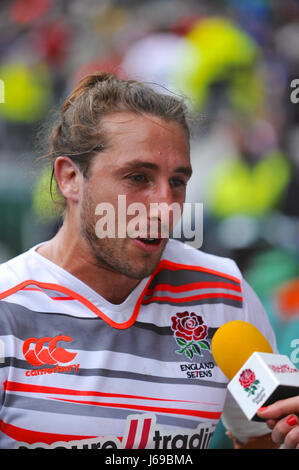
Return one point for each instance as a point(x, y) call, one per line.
point(79, 372)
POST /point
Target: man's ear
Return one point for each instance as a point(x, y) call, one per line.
point(69, 178)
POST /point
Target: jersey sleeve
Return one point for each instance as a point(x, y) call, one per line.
point(255, 313)
point(233, 417)
point(6, 332)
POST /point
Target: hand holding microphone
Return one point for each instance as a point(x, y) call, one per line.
point(257, 376)
point(282, 418)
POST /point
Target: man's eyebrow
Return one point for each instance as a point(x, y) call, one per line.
point(186, 170)
point(138, 164)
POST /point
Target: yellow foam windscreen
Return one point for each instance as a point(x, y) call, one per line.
point(234, 342)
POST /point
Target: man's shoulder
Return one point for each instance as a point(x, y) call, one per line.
point(186, 257)
point(13, 272)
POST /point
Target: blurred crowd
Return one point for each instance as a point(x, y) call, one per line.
point(233, 61)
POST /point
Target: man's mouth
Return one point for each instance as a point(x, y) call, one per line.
point(148, 244)
point(150, 241)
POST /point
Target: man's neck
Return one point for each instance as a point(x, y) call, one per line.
point(74, 256)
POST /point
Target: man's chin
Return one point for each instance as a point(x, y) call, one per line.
point(127, 259)
point(145, 264)
point(142, 270)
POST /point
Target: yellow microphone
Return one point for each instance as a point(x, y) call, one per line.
point(257, 376)
point(234, 342)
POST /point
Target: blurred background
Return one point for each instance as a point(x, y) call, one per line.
point(235, 62)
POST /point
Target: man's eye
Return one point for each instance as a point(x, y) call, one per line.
point(138, 178)
point(176, 182)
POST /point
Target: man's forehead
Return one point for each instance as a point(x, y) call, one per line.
point(139, 164)
point(132, 141)
point(121, 119)
point(131, 122)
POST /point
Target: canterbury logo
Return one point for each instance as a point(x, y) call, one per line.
point(46, 351)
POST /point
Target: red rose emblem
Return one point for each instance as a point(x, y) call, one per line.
point(190, 333)
point(247, 378)
point(189, 326)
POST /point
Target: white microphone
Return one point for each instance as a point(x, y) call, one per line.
point(257, 376)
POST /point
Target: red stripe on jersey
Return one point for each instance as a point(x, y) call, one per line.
point(145, 433)
point(176, 411)
point(31, 388)
point(193, 286)
point(166, 264)
point(191, 298)
point(132, 434)
point(31, 437)
point(62, 298)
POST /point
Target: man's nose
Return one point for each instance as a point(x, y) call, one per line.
point(163, 210)
point(163, 193)
point(161, 200)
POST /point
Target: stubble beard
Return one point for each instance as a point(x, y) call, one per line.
point(110, 253)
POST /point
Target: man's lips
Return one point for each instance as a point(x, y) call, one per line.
point(148, 244)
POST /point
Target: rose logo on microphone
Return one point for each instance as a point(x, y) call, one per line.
point(248, 381)
point(190, 333)
point(46, 351)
